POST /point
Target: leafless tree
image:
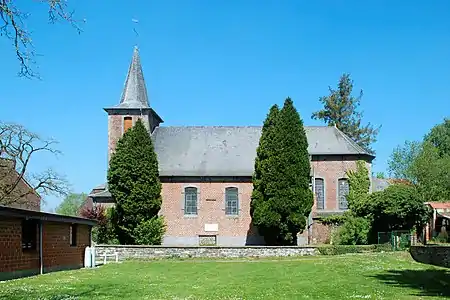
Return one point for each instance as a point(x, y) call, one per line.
point(13, 27)
point(18, 147)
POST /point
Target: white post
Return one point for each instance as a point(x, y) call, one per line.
point(93, 257)
point(117, 257)
point(104, 258)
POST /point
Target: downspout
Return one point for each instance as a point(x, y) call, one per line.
point(309, 223)
point(41, 256)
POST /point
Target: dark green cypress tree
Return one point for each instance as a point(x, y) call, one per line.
point(282, 199)
point(265, 220)
point(291, 178)
point(133, 180)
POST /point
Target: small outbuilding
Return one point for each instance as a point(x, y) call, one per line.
point(33, 242)
point(440, 221)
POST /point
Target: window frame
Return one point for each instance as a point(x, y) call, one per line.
point(339, 193)
point(29, 234)
point(190, 191)
point(73, 229)
point(323, 193)
point(227, 192)
point(126, 118)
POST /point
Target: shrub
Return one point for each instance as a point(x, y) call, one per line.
point(354, 231)
point(103, 233)
point(442, 237)
point(150, 232)
point(344, 249)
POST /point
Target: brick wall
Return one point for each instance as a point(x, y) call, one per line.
point(8, 177)
point(12, 258)
point(331, 169)
point(184, 230)
point(57, 252)
point(321, 234)
point(115, 127)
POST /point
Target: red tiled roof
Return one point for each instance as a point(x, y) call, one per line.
point(439, 205)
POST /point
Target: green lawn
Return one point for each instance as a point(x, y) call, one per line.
point(352, 276)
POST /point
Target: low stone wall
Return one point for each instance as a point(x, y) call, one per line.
point(154, 252)
point(433, 255)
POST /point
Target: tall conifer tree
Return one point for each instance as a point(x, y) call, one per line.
point(340, 109)
point(282, 199)
point(133, 180)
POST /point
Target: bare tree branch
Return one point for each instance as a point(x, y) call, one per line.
point(13, 27)
point(18, 147)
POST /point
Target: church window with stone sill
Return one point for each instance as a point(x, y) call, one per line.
point(343, 189)
point(190, 201)
point(231, 201)
point(319, 189)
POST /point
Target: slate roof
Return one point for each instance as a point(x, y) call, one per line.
point(231, 150)
point(134, 94)
point(379, 184)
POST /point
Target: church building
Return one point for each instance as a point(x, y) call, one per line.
point(206, 172)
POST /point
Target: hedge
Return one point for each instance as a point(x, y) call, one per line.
point(343, 249)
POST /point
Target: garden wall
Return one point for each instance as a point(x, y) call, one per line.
point(153, 252)
point(433, 255)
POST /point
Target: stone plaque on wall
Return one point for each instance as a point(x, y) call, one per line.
point(211, 227)
point(207, 240)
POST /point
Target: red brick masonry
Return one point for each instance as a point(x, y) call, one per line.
point(57, 251)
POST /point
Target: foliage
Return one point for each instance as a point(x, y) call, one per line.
point(359, 185)
point(103, 232)
point(354, 231)
point(19, 148)
point(442, 237)
point(150, 232)
point(13, 26)
point(439, 137)
point(426, 164)
point(344, 249)
point(380, 175)
point(71, 205)
point(432, 173)
point(264, 153)
point(398, 207)
point(133, 180)
point(333, 220)
point(340, 110)
point(282, 199)
point(402, 159)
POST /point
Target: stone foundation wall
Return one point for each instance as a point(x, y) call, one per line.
point(154, 252)
point(433, 255)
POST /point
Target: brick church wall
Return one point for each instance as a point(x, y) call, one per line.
point(237, 230)
point(185, 230)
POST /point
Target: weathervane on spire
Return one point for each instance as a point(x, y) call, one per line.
point(135, 21)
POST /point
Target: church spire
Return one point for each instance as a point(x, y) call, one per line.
point(134, 93)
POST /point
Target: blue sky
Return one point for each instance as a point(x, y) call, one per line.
point(225, 63)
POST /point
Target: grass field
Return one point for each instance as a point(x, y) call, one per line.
point(357, 276)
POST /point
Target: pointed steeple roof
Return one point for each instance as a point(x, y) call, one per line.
point(134, 94)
